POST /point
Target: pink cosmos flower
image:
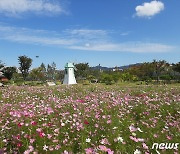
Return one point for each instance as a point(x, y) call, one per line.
point(57, 147)
point(18, 137)
point(19, 124)
point(97, 116)
point(96, 125)
point(31, 148)
point(109, 121)
point(49, 136)
point(132, 128)
point(104, 141)
point(89, 151)
point(155, 135)
point(140, 139)
point(110, 152)
point(134, 139)
point(104, 117)
point(33, 123)
point(80, 101)
point(32, 141)
point(145, 146)
point(56, 130)
point(103, 148)
point(86, 122)
point(27, 152)
point(169, 137)
point(19, 144)
point(41, 134)
point(38, 129)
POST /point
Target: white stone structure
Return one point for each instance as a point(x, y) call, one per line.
point(69, 77)
point(51, 84)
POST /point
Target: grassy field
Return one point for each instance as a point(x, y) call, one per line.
point(123, 118)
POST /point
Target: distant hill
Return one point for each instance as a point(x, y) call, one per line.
point(111, 68)
point(101, 68)
point(131, 65)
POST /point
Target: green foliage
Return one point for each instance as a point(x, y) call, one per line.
point(159, 67)
point(166, 77)
point(159, 71)
point(156, 70)
point(91, 77)
point(25, 64)
point(37, 74)
point(9, 71)
point(43, 67)
point(176, 67)
point(86, 82)
point(17, 77)
point(51, 71)
point(115, 77)
point(82, 70)
point(126, 76)
point(107, 79)
point(33, 83)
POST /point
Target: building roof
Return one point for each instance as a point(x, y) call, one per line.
point(69, 65)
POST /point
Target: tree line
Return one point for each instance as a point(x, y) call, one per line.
point(148, 71)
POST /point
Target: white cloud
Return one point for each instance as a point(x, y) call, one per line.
point(17, 7)
point(39, 40)
point(149, 9)
point(125, 33)
point(138, 47)
point(87, 34)
point(71, 39)
point(31, 36)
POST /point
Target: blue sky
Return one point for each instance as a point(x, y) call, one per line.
point(110, 33)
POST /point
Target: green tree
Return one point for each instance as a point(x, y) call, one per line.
point(82, 70)
point(9, 71)
point(37, 74)
point(51, 71)
point(126, 76)
point(43, 67)
point(143, 71)
point(116, 76)
point(44, 71)
point(25, 64)
point(106, 78)
point(17, 77)
point(176, 67)
point(159, 67)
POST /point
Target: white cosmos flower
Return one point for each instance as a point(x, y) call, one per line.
point(120, 139)
point(137, 151)
point(62, 124)
point(88, 140)
point(45, 147)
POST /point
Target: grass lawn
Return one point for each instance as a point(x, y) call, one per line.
point(122, 118)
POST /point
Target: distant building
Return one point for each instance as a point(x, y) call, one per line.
point(69, 77)
point(117, 69)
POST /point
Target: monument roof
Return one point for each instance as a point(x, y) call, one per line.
point(69, 65)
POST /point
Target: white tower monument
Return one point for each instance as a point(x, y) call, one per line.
point(69, 77)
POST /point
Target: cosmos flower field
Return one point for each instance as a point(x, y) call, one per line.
point(89, 119)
